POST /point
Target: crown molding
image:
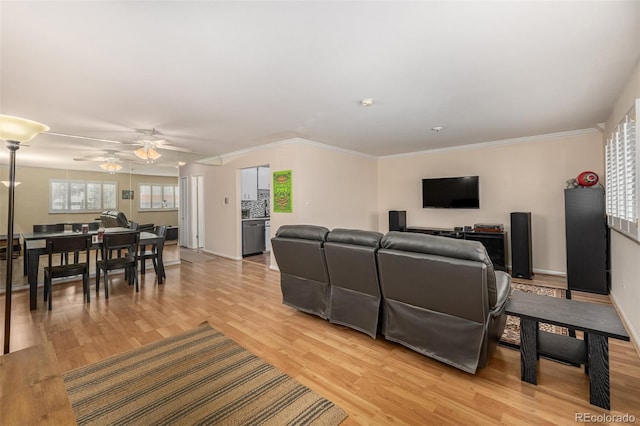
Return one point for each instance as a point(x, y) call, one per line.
point(513, 141)
point(301, 141)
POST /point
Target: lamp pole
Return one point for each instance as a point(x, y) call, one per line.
point(12, 146)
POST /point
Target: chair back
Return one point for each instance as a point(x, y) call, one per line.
point(66, 244)
point(54, 227)
point(160, 230)
point(120, 240)
point(77, 227)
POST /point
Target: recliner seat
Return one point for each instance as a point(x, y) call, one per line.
point(355, 290)
point(442, 297)
point(299, 251)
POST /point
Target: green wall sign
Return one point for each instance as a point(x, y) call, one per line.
point(282, 192)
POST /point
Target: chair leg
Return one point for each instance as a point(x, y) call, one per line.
point(106, 284)
point(135, 278)
point(50, 291)
point(87, 286)
point(143, 265)
point(45, 289)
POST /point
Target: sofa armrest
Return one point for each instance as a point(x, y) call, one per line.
point(503, 291)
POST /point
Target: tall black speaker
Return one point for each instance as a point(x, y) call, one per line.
point(521, 259)
point(397, 220)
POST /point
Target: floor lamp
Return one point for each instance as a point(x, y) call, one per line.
point(13, 130)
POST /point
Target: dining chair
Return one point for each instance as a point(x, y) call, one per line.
point(52, 227)
point(152, 253)
point(65, 244)
point(125, 244)
point(4, 245)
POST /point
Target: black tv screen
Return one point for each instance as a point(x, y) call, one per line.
point(451, 193)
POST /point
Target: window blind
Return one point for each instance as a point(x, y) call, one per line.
point(622, 175)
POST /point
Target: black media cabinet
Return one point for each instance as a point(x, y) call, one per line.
point(494, 242)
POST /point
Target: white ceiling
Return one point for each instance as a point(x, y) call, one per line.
point(217, 77)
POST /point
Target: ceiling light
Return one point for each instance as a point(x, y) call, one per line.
point(110, 166)
point(366, 102)
point(437, 129)
point(182, 163)
point(7, 183)
point(147, 152)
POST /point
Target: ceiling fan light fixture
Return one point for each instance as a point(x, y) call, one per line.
point(110, 167)
point(147, 152)
point(153, 154)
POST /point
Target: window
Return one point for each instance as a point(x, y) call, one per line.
point(622, 175)
point(158, 197)
point(77, 196)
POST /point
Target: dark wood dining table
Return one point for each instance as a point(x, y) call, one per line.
point(34, 247)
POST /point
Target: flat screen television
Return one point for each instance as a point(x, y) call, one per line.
point(451, 193)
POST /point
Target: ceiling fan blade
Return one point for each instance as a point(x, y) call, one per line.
point(91, 158)
point(173, 148)
point(82, 137)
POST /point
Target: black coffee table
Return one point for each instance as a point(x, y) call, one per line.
point(598, 322)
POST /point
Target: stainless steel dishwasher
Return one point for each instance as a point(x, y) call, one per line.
point(253, 240)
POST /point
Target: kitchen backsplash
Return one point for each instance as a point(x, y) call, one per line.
point(257, 208)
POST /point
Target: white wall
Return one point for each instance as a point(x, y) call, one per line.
point(527, 176)
point(331, 188)
point(625, 253)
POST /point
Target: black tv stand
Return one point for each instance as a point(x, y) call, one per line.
point(494, 242)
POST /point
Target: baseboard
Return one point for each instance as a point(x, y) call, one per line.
point(274, 268)
point(549, 272)
point(223, 255)
point(634, 334)
point(543, 271)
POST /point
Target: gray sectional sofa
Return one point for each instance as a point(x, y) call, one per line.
point(438, 296)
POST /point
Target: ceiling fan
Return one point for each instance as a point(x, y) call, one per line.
point(149, 140)
point(109, 161)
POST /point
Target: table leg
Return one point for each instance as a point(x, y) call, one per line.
point(161, 274)
point(32, 276)
point(598, 349)
point(25, 259)
point(528, 350)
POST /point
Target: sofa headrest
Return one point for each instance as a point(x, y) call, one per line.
point(355, 237)
point(303, 232)
point(440, 246)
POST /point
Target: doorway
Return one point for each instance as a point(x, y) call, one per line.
point(192, 212)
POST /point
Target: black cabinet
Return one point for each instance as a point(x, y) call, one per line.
point(587, 240)
point(494, 242)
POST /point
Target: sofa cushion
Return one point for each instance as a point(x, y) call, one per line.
point(305, 232)
point(355, 237)
point(446, 247)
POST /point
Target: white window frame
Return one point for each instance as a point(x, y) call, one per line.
point(165, 206)
point(622, 162)
point(83, 209)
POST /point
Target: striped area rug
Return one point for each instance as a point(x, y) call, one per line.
point(197, 377)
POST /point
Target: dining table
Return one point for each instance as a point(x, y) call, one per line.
point(35, 246)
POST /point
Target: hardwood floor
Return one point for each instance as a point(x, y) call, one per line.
point(375, 381)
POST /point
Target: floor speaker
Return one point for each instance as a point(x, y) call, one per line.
point(521, 259)
point(397, 220)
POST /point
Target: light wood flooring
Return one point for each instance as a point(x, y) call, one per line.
point(375, 381)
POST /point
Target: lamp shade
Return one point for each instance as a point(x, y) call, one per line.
point(19, 129)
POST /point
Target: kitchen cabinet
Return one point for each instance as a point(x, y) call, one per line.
point(264, 178)
point(249, 184)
